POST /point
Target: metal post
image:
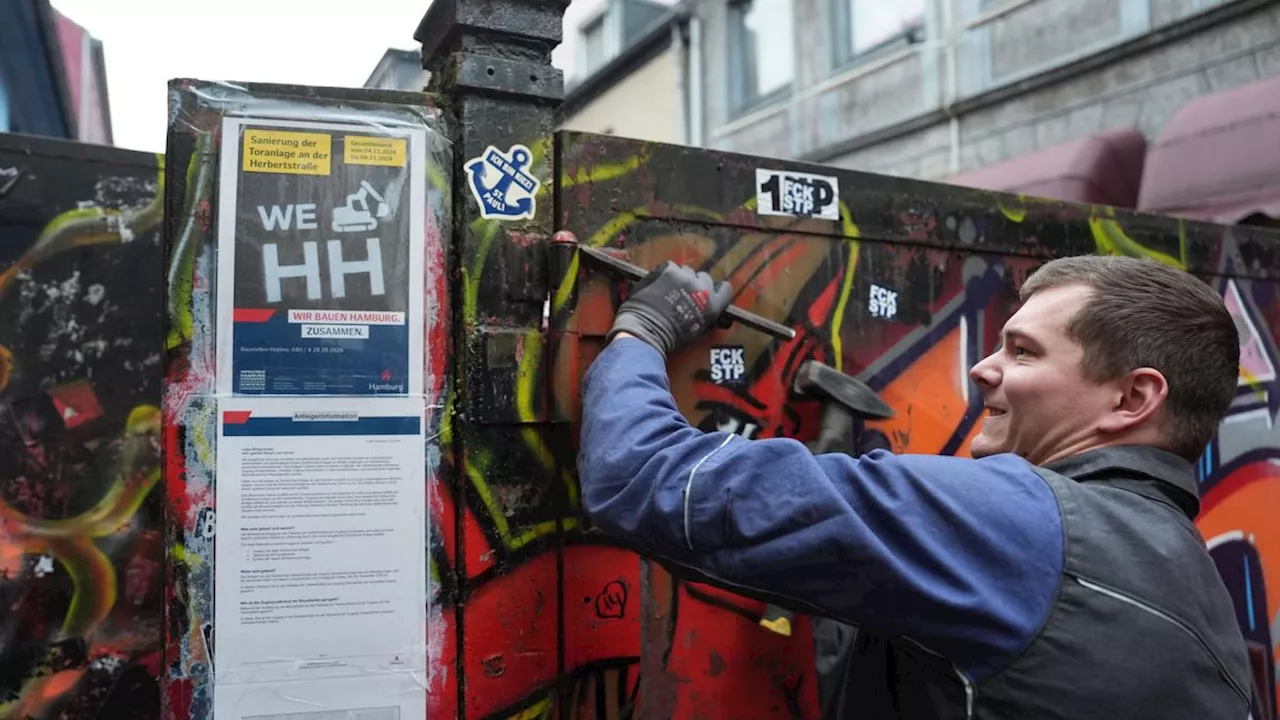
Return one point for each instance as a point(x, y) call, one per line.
point(490, 63)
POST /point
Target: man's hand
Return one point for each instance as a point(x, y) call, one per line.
point(672, 307)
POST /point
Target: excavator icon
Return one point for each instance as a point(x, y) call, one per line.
point(355, 216)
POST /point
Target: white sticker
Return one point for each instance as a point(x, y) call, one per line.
point(882, 302)
point(728, 364)
point(502, 183)
point(796, 194)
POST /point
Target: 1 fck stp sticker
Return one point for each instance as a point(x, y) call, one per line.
point(794, 194)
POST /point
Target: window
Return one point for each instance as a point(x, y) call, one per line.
point(868, 25)
point(593, 45)
point(762, 54)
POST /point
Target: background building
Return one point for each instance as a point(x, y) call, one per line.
point(931, 88)
point(52, 75)
point(399, 70)
point(641, 90)
point(1163, 105)
point(626, 64)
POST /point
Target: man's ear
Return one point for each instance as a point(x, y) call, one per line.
point(1140, 397)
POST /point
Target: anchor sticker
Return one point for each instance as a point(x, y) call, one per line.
point(510, 192)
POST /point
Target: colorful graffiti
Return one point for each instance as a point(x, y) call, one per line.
point(80, 356)
point(715, 659)
point(1240, 476)
point(533, 614)
point(909, 318)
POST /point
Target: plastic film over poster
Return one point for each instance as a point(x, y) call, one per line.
point(305, 393)
point(319, 226)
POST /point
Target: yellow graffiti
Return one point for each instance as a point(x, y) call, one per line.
point(84, 227)
point(71, 540)
point(567, 283)
point(40, 693)
point(178, 553)
point(1016, 214)
point(198, 428)
point(1111, 239)
point(851, 233)
point(606, 171)
point(780, 625)
point(477, 461)
point(181, 276)
point(540, 710)
point(615, 225)
point(437, 179)
point(526, 384)
point(487, 230)
point(6, 366)
point(1259, 391)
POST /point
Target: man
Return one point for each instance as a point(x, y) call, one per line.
point(1056, 575)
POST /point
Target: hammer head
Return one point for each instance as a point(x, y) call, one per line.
point(826, 383)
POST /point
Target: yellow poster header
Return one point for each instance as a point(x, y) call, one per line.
point(290, 153)
point(363, 150)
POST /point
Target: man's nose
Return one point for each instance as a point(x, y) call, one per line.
point(986, 372)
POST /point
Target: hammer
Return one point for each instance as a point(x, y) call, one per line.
point(844, 399)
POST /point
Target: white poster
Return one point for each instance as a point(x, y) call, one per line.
point(320, 241)
point(320, 561)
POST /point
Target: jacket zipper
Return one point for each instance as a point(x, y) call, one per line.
point(968, 685)
point(968, 694)
point(1134, 602)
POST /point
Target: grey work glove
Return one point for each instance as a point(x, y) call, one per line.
point(672, 307)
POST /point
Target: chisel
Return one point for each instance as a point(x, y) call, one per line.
point(635, 272)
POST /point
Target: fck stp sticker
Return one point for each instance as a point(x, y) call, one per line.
point(795, 194)
point(882, 302)
point(502, 184)
point(728, 364)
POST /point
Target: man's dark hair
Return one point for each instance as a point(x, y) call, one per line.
point(1145, 314)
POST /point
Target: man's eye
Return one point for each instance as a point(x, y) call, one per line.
point(1019, 351)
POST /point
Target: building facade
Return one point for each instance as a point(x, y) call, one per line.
point(627, 65)
point(935, 88)
point(52, 75)
point(641, 89)
point(1068, 99)
point(399, 70)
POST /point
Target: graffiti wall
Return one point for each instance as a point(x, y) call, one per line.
point(905, 288)
point(531, 612)
point(81, 553)
point(1240, 475)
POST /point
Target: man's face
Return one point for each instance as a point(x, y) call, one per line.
point(1039, 404)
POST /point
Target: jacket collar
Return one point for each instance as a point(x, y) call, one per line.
point(1175, 475)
